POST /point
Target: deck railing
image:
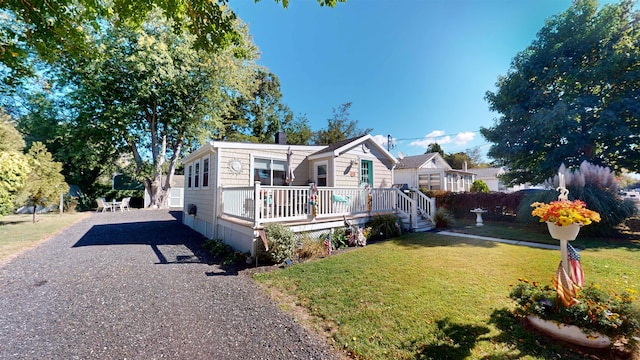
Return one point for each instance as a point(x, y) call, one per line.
point(264, 204)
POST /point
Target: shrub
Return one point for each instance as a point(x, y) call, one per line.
point(339, 238)
point(310, 248)
point(385, 226)
point(217, 248)
point(443, 218)
point(479, 186)
point(282, 242)
point(500, 206)
point(594, 185)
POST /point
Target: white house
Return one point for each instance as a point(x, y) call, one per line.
point(491, 176)
point(431, 171)
point(233, 189)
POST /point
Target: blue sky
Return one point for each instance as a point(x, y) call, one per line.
point(417, 70)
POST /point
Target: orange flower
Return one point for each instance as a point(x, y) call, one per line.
point(563, 213)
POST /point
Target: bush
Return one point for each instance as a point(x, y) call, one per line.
point(385, 226)
point(479, 186)
point(339, 238)
point(310, 249)
point(443, 218)
point(594, 185)
point(217, 248)
point(281, 241)
point(500, 206)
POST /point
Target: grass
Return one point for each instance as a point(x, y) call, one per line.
point(426, 295)
point(18, 233)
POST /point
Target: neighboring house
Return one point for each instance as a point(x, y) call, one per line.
point(491, 176)
point(176, 194)
point(431, 171)
point(233, 189)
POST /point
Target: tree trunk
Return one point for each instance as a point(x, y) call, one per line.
point(35, 207)
point(158, 194)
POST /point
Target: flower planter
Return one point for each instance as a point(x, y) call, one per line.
point(567, 232)
point(570, 333)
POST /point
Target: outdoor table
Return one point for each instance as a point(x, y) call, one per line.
point(115, 204)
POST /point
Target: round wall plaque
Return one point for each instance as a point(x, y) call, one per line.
point(235, 166)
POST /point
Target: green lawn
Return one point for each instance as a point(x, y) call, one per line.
point(433, 296)
point(19, 233)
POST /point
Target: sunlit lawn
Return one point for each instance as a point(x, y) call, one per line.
point(18, 232)
point(435, 296)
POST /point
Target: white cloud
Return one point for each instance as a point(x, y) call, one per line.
point(380, 139)
point(464, 138)
point(438, 136)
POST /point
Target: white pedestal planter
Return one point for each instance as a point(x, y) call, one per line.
point(570, 333)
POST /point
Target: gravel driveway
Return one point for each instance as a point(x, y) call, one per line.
point(135, 285)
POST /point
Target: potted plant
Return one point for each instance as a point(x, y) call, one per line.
point(564, 218)
point(598, 316)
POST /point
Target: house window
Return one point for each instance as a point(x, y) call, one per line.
point(429, 181)
point(205, 172)
point(189, 175)
point(321, 174)
point(435, 182)
point(269, 171)
point(196, 175)
point(366, 172)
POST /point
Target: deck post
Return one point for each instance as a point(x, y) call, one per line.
point(257, 204)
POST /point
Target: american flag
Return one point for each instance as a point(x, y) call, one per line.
point(565, 287)
point(327, 244)
point(575, 268)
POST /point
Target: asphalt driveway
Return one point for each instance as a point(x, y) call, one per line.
point(136, 285)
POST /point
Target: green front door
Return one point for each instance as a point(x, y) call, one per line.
point(366, 172)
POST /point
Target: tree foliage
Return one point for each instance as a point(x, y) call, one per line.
point(339, 127)
point(58, 28)
point(434, 148)
point(14, 167)
point(479, 186)
point(45, 183)
point(258, 116)
point(150, 94)
point(572, 95)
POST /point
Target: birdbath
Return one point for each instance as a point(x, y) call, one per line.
point(478, 212)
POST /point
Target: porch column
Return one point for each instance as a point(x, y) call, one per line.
point(257, 204)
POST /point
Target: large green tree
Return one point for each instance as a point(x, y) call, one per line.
point(572, 95)
point(153, 94)
point(339, 127)
point(58, 28)
point(45, 183)
point(14, 167)
point(258, 116)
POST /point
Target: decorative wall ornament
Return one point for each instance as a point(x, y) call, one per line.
point(235, 166)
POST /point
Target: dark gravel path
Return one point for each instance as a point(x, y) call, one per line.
point(136, 285)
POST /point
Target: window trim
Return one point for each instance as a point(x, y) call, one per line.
point(252, 169)
point(189, 175)
point(196, 174)
point(318, 164)
point(206, 170)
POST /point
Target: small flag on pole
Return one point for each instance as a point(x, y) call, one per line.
point(575, 268)
point(327, 244)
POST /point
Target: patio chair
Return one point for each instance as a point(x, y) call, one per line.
point(102, 205)
point(124, 204)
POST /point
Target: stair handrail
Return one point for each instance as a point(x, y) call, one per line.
point(426, 205)
point(407, 205)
